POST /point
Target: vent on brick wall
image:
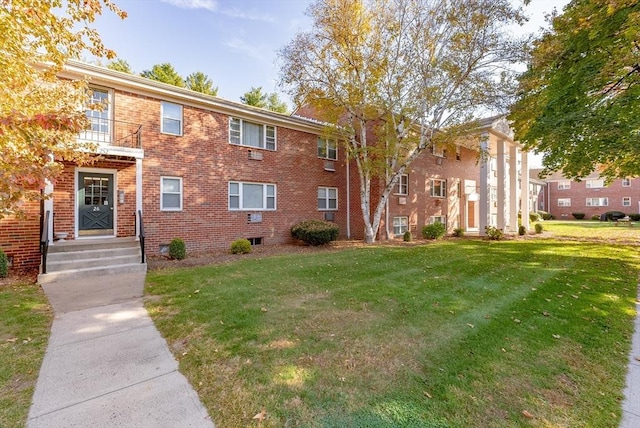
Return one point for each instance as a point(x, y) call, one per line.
point(255, 155)
point(329, 166)
point(254, 218)
point(329, 216)
point(402, 200)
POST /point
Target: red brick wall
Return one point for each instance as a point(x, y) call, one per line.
point(20, 237)
point(579, 194)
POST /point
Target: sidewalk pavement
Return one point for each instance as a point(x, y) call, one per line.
point(631, 403)
point(106, 364)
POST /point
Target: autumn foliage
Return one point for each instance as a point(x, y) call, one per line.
point(40, 116)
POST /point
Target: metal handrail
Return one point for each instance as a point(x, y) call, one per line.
point(113, 132)
point(141, 236)
point(44, 241)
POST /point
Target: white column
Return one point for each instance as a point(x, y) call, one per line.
point(502, 206)
point(524, 192)
point(138, 193)
point(48, 206)
point(513, 187)
point(484, 188)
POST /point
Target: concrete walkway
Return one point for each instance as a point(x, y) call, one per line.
point(631, 403)
point(106, 365)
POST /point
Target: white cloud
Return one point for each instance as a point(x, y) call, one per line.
point(210, 5)
point(250, 50)
point(252, 16)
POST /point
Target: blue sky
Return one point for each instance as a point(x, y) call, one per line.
point(234, 42)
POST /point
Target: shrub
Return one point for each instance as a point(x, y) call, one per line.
point(539, 228)
point(4, 264)
point(493, 233)
point(241, 246)
point(534, 216)
point(458, 232)
point(407, 236)
point(634, 217)
point(434, 231)
point(545, 215)
point(595, 217)
point(578, 216)
point(177, 249)
point(522, 230)
point(315, 232)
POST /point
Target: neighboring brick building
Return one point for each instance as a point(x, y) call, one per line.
point(210, 171)
point(591, 196)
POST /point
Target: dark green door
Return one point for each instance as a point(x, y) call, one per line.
point(95, 204)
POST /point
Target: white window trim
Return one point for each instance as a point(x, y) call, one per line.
point(399, 185)
point(104, 137)
point(264, 134)
point(405, 225)
point(591, 184)
point(162, 104)
point(626, 182)
point(327, 199)
point(626, 198)
point(432, 219)
point(589, 202)
point(564, 202)
point(162, 192)
point(443, 188)
point(264, 196)
point(326, 148)
point(564, 185)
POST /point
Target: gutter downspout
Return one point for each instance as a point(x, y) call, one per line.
point(348, 201)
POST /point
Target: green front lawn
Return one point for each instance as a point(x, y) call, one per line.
point(607, 231)
point(455, 333)
point(25, 318)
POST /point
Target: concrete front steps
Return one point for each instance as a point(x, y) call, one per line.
point(80, 258)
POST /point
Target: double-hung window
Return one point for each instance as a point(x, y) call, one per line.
point(252, 196)
point(438, 219)
point(626, 201)
point(597, 202)
point(594, 184)
point(327, 198)
point(564, 185)
point(403, 185)
point(171, 118)
point(170, 193)
point(400, 225)
point(250, 134)
point(438, 188)
point(564, 202)
point(327, 149)
point(626, 182)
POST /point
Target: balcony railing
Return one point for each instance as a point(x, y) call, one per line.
point(116, 133)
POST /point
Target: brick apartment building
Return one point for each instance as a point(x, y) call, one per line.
point(591, 196)
point(210, 171)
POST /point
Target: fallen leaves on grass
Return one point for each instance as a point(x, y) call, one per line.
point(527, 414)
point(260, 416)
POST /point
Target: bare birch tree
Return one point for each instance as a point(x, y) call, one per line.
point(396, 77)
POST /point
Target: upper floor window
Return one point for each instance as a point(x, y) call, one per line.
point(626, 182)
point(252, 196)
point(438, 188)
point(564, 185)
point(327, 149)
point(170, 193)
point(171, 118)
point(597, 202)
point(245, 133)
point(564, 202)
point(98, 112)
point(594, 184)
point(327, 198)
point(402, 188)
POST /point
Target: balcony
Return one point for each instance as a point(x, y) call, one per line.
point(114, 137)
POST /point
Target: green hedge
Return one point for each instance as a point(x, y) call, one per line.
point(315, 232)
point(177, 249)
point(434, 231)
point(241, 246)
point(4, 264)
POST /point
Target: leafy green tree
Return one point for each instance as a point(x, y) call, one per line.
point(200, 82)
point(580, 95)
point(257, 98)
point(164, 73)
point(39, 115)
point(410, 72)
point(120, 65)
